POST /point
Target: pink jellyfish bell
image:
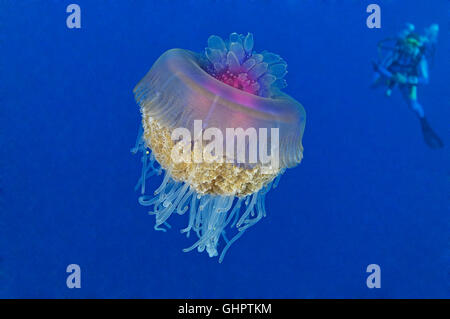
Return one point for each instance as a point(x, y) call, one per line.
point(188, 99)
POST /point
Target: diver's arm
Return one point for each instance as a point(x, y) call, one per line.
point(422, 77)
point(384, 71)
point(382, 68)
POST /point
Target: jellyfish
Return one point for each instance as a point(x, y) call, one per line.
point(228, 86)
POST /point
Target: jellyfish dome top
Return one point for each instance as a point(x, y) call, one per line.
point(182, 98)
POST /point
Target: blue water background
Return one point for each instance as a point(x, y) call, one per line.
point(368, 190)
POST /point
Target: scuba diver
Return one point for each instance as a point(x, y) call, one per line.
point(405, 66)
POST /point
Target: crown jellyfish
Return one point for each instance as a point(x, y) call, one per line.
point(229, 85)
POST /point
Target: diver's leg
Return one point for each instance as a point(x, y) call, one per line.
point(429, 136)
point(410, 96)
point(417, 108)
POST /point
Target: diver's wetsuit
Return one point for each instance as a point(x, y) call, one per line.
point(413, 67)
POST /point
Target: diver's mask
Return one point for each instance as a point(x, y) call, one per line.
point(413, 44)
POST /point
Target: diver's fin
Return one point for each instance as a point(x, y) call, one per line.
point(429, 136)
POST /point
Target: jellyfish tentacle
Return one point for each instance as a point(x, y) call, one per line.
point(187, 230)
point(209, 215)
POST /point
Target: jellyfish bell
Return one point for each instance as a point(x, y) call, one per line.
point(232, 89)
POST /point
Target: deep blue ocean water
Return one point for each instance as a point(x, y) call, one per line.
point(368, 190)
